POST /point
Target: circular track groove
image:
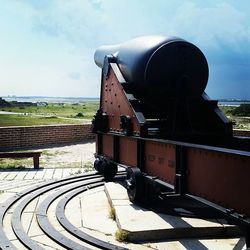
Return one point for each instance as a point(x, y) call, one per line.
point(17, 214)
point(46, 226)
point(76, 185)
point(61, 217)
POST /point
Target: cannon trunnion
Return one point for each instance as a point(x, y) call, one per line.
point(156, 120)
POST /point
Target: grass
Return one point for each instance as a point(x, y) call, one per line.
point(48, 153)
point(79, 171)
point(16, 163)
point(20, 120)
point(77, 113)
point(112, 215)
point(54, 113)
point(58, 109)
point(86, 167)
point(121, 235)
point(240, 122)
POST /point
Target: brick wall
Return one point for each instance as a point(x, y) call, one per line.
point(42, 136)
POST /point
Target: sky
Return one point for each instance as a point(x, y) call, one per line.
point(47, 46)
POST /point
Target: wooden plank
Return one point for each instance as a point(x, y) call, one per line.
point(19, 154)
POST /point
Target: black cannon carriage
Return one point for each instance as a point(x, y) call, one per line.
point(156, 120)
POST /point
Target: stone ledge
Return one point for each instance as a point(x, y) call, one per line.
point(145, 225)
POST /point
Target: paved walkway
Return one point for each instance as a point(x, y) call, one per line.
point(15, 181)
point(37, 174)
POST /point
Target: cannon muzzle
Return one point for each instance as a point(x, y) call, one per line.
point(159, 66)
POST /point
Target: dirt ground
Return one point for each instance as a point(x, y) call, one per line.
point(68, 156)
point(78, 156)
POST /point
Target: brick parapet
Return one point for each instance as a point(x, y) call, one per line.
point(42, 136)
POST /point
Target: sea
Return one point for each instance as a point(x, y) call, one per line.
point(235, 103)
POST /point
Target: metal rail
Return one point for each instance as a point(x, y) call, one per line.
point(61, 217)
point(17, 213)
point(83, 183)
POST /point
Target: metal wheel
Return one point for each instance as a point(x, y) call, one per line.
point(97, 165)
point(110, 171)
point(106, 168)
point(134, 184)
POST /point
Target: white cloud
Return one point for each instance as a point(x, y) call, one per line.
point(210, 26)
point(75, 75)
point(44, 42)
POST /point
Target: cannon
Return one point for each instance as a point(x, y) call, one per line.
point(156, 120)
point(159, 67)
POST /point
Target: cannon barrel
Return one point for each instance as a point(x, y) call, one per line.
point(159, 66)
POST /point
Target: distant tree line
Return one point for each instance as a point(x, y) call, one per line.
point(4, 103)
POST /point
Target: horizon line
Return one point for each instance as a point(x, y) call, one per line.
point(28, 96)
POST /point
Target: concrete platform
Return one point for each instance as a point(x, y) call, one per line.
point(91, 215)
point(145, 225)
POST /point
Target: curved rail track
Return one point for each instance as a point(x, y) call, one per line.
point(63, 191)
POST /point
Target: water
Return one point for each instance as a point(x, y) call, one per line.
point(36, 99)
point(233, 103)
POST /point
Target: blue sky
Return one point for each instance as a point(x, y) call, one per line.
point(47, 46)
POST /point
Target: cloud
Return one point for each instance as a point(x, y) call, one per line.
point(75, 75)
point(210, 25)
point(97, 21)
point(97, 4)
point(37, 5)
point(77, 22)
point(51, 37)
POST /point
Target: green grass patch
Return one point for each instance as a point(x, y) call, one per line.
point(88, 166)
point(82, 167)
point(121, 235)
point(79, 171)
point(23, 120)
point(240, 122)
point(242, 110)
point(88, 109)
point(54, 113)
point(50, 153)
point(16, 163)
point(112, 215)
